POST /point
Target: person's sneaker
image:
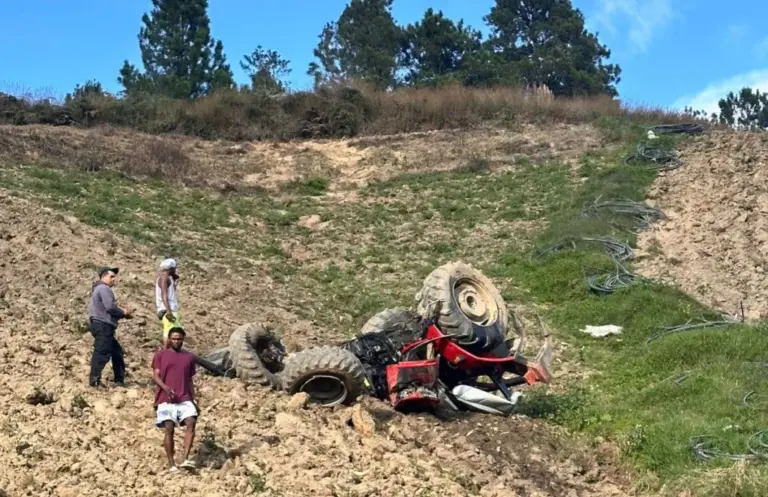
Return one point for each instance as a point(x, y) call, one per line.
point(96, 384)
point(188, 464)
point(119, 383)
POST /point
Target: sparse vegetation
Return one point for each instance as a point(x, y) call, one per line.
point(324, 113)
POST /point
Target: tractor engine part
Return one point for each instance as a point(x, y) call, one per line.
point(380, 342)
point(413, 384)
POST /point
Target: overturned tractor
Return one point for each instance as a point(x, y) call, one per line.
point(452, 349)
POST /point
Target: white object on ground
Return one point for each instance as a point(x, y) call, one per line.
point(481, 401)
point(601, 331)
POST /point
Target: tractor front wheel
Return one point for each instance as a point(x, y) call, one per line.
point(256, 355)
point(329, 375)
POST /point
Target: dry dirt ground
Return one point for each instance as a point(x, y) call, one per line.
point(60, 438)
point(270, 165)
point(714, 240)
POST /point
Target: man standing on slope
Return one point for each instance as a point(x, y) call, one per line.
point(172, 370)
point(103, 316)
point(165, 298)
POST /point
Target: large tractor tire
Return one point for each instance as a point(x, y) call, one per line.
point(387, 318)
point(256, 355)
point(400, 325)
point(329, 375)
point(470, 305)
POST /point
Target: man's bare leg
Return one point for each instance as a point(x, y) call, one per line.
point(189, 436)
point(168, 443)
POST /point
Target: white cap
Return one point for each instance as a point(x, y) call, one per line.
point(168, 264)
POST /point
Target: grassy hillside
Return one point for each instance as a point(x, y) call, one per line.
point(336, 256)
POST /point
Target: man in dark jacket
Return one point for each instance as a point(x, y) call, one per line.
point(103, 316)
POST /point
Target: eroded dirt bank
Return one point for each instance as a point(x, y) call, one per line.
point(714, 241)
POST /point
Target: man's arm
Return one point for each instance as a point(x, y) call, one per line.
point(164, 282)
point(192, 389)
point(156, 375)
point(110, 304)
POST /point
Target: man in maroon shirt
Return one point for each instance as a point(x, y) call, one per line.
point(173, 369)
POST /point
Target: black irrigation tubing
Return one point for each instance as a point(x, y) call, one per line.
point(617, 250)
point(665, 129)
point(704, 451)
point(679, 379)
point(608, 282)
point(747, 401)
point(670, 330)
point(654, 157)
point(642, 213)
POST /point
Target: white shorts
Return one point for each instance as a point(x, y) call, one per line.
point(174, 412)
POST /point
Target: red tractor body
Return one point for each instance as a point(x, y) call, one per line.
point(413, 382)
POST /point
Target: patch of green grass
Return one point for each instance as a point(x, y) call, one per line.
point(633, 399)
point(465, 198)
point(183, 222)
point(315, 185)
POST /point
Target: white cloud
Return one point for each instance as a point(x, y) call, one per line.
point(707, 99)
point(645, 18)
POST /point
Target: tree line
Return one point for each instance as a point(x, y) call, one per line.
point(531, 43)
point(746, 109)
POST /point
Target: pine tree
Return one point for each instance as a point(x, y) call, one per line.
point(363, 44)
point(180, 58)
point(747, 111)
point(547, 42)
point(266, 70)
point(436, 50)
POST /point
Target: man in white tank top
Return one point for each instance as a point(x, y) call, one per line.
point(166, 300)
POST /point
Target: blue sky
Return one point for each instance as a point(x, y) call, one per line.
point(672, 52)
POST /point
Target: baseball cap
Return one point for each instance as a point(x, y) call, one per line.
point(105, 269)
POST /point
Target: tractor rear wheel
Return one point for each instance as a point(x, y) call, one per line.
point(256, 355)
point(470, 305)
point(329, 375)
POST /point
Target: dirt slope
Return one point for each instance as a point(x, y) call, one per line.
point(345, 163)
point(80, 441)
point(714, 241)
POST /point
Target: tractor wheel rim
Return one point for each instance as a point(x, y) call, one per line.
point(325, 389)
point(475, 301)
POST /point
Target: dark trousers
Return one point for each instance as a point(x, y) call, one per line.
point(105, 347)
